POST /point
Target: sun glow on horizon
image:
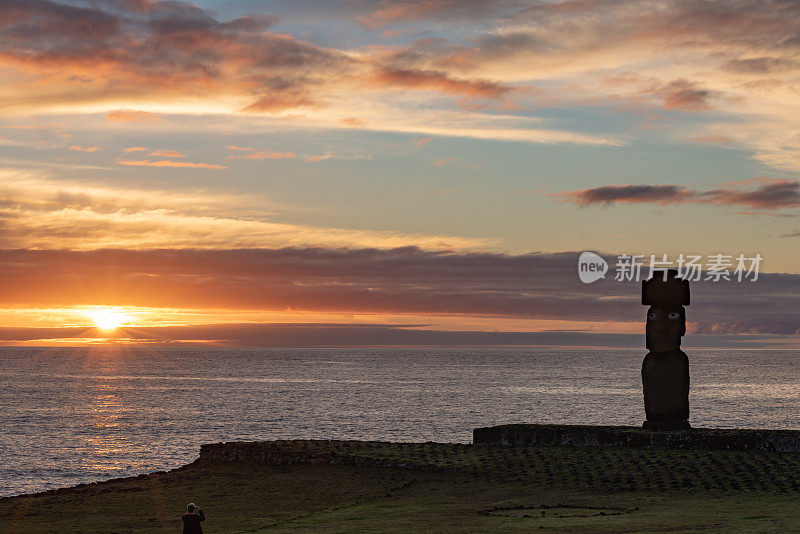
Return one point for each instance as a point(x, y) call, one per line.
point(108, 318)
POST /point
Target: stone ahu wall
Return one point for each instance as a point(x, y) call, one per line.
point(635, 437)
point(299, 452)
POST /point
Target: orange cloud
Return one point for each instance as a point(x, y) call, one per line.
point(81, 148)
point(444, 161)
point(167, 154)
point(135, 149)
point(130, 115)
point(419, 141)
point(234, 147)
point(167, 163)
point(354, 121)
point(280, 102)
point(392, 11)
point(320, 157)
point(33, 126)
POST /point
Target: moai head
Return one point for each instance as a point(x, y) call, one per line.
point(665, 326)
point(666, 319)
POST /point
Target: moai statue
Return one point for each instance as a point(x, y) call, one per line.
point(665, 369)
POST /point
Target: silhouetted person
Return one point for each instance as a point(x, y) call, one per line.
point(665, 369)
point(192, 520)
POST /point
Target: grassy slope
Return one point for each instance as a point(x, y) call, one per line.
point(451, 487)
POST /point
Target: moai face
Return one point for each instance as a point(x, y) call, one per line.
point(665, 326)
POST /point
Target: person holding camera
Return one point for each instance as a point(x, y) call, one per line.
point(192, 519)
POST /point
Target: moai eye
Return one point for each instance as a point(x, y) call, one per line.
point(673, 316)
point(651, 316)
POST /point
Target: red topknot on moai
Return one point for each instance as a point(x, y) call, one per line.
point(665, 370)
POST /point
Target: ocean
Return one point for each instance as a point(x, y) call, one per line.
point(73, 415)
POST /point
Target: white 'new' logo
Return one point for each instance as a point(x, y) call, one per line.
point(591, 267)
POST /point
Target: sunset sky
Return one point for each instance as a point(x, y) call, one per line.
point(418, 172)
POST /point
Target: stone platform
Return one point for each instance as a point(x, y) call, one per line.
point(636, 437)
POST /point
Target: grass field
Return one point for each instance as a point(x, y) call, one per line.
point(381, 487)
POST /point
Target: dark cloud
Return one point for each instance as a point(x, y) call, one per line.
point(766, 194)
point(438, 81)
point(405, 280)
point(757, 193)
point(511, 42)
point(693, 23)
point(588, 26)
point(759, 65)
point(610, 194)
point(160, 48)
point(20, 19)
point(685, 96)
point(105, 50)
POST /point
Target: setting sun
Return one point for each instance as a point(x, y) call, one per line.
point(108, 319)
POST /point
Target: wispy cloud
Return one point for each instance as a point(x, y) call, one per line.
point(330, 154)
point(82, 148)
point(37, 211)
point(420, 141)
point(731, 61)
point(319, 157)
point(168, 163)
point(265, 154)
